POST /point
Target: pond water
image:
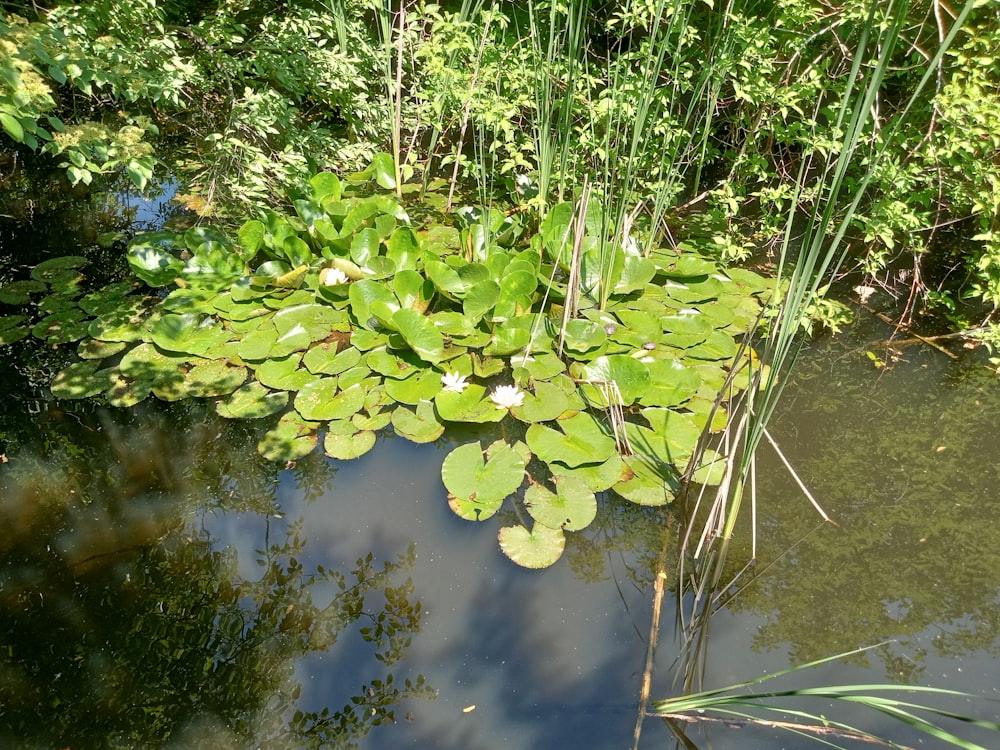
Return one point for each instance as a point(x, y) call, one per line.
point(163, 584)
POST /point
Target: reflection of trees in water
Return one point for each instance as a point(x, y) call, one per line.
point(121, 624)
point(905, 464)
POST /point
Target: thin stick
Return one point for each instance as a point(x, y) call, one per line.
point(799, 482)
point(794, 726)
point(654, 632)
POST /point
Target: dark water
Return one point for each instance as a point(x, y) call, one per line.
point(163, 585)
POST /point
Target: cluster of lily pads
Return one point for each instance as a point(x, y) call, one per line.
point(345, 319)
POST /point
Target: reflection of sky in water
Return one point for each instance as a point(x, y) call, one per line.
point(547, 660)
point(151, 212)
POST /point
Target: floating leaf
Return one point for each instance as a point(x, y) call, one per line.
point(584, 336)
point(647, 485)
point(320, 400)
point(289, 440)
point(418, 426)
point(627, 373)
point(284, 373)
point(62, 328)
point(572, 507)
point(548, 402)
point(346, 447)
point(19, 292)
point(125, 393)
point(214, 378)
point(671, 383)
point(324, 359)
point(471, 405)
point(53, 268)
point(147, 363)
point(420, 334)
point(252, 401)
point(468, 475)
point(398, 365)
point(583, 440)
point(189, 333)
point(424, 386)
point(598, 477)
point(81, 380)
point(538, 548)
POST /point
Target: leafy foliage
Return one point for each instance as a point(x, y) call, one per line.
point(355, 320)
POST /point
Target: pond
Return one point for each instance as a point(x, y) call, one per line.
point(163, 584)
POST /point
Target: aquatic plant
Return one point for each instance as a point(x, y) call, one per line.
point(346, 319)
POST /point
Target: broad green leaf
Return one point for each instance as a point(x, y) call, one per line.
point(547, 403)
point(469, 474)
point(480, 299)
point(420, 334)
point(284, 373)
point(321, 401)
point(581, 439)
point(214, 378)
point(627, 373)
point(81, 380)
point(252, 401)
point(539, 548)
point(422, 387)
point(347, 447)
point(471, 405)
point(289, 440)
point(572, 507)
point(418, 426)
point(189, 333)
point(403, 248)
point(362, 293)
point(324, 359)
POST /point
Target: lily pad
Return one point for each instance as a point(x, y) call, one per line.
point(629, 375)
point(646, 485)
point(146, 362)
point(324, 359)
point(420, 334)
point(214, 378)
point(289, 440)
point(190, 333)
point(346, 447)
point(62, 328)
point(572, 507)
point(125, 393)
point(418, 426)
point(122, 323)
point(471, 405)
point(598, 477)
point(548, 402)
point(487, 478)
point(413, 390)
point(671, 383)
point(284, 373)
point(94, 349)
point(252, 401)
point(539, 548)
point(320, 400)
point(81, 380)
point(19, 292)
point(582, 440)
point(398, 365)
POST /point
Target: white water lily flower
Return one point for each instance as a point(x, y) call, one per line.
point(452, 381)
point(332, 276)
point(507, 396)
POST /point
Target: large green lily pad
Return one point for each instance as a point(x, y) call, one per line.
point(485, 478)
point(419, 425)
point(252, 401)
point(572, 507)
point(471, 405)
point(582, 440)
point(346, 447)
point(320, 400)
point(81, 380)
point(289, 440)
point(539, 548)
point(190, 333)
